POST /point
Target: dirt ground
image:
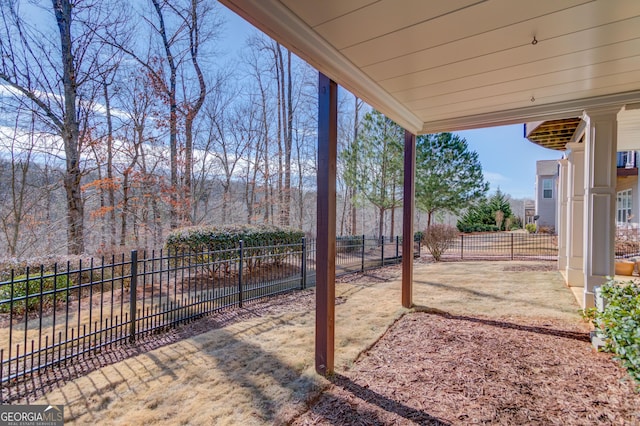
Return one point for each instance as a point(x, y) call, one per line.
point(488, 343)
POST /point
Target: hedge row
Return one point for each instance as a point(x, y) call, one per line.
point(478, 227)
point(215, 238)
point(216, 246)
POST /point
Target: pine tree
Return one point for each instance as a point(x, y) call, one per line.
point(448, 175)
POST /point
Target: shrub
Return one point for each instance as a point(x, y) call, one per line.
point(48, 263)
point(34, 293)
point(550, 230)
point(214, 238)
point(418, 235)
point(620, 322)
point(438, 238)
point(516, 223)
point(477, 227)
point(530, 227)
point(263, 243)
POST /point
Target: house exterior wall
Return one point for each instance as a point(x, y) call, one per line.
point(546, 184)
point(546, 207)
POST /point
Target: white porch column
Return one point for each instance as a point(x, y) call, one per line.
point(562, 222)
point(575, 214)
point(600, 199)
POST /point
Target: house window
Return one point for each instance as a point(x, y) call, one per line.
point(626, 159)
point(547, 188)
point(623, 206)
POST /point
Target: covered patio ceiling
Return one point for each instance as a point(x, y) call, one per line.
point(458, 64)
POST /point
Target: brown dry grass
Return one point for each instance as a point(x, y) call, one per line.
point(260, 370)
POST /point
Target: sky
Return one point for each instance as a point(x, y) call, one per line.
point(508, 159)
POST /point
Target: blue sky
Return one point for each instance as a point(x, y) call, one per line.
point(508, 159)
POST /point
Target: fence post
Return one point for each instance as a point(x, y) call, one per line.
point(133, 290)
point(511, 246)
point(362, 257)
point(397, 247)
point(303, 284)
point(240, 274)
point(382, 250)
point(461, 246)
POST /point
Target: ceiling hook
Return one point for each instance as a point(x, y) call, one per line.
point(534, 41)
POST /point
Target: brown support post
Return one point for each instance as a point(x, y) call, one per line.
point(326, 224)
point(407, 218)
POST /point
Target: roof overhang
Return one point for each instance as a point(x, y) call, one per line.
point(461, 64)
point(552, 134)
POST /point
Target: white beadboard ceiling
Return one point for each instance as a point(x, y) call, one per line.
point(435, 65)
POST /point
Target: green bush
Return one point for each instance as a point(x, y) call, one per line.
point(476, 227)
point(620, 322)
point(214, 238)
point(34, 293)
point(418, 235)
point(262, 244)
point(516, 223)
point(530, 227)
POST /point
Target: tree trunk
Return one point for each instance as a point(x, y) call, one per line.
point(125, 208)
point(286, 220)
point(352, 192)
point(194, 109)
point(111, 188)
point(70, 132)
point(173, 118)
point(393, 221)
point(277, 54)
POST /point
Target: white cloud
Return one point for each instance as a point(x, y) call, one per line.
point(494, 178)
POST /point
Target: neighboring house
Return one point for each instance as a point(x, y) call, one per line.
point(627, 193)
point(529, 211)
point(627, 196)
point(546, 193)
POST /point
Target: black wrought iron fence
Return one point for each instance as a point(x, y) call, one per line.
point(52, 317)
point(359, 253)
point(627, 242)
point(505, 246)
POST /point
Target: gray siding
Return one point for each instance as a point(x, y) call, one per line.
point(546, 207)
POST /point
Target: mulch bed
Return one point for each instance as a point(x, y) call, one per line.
point(454, 370)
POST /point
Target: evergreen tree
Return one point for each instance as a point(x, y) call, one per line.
point(483, 216)
point(448, 175)
point(373, 165)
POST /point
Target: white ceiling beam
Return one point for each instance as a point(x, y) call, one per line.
point(552, 111)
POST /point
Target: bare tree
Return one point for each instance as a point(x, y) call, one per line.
point(49, 73)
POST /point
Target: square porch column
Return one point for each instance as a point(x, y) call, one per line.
point(600, 199)
point(562, 221)
point(574, 231)
point(326, 224)
point(407, 218)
